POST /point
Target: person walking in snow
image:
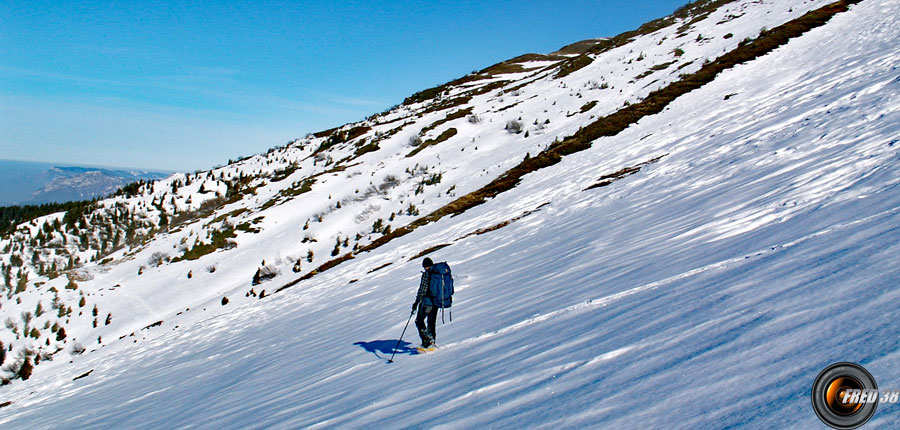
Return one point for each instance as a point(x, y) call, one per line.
point(435, 292)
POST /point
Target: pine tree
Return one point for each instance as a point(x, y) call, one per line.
point(22, 284)
point(26, 369)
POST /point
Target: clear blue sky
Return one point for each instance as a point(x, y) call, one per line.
point(185, 85)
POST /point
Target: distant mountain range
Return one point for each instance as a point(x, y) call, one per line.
point(29, 183)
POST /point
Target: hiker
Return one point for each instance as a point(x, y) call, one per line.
point(435, 292)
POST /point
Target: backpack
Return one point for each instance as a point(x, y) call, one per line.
point(440, 285)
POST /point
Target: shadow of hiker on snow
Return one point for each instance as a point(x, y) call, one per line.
point(384, 348)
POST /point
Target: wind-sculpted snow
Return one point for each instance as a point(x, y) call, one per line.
point(705, 290)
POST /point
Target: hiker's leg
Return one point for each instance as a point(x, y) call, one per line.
point(432, 322)
point(420, 323)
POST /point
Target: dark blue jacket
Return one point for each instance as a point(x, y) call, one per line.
point(436, 286)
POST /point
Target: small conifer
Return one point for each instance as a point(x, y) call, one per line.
point(26, 369)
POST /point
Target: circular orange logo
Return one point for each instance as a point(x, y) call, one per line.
point(845, 396)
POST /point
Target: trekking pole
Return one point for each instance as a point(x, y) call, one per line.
point(401, 337)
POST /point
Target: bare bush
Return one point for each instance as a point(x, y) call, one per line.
point(13, 367)
point(182, 217)
point(212, 204)
point(11, 324)
point(366, 213)
point(390, 181)
point(361, 196)
point(158, 259)
point(77, 348)
point(514, 126)
point(264, 274)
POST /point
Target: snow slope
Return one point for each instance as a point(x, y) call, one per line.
point(285, 210)
point(706, 290)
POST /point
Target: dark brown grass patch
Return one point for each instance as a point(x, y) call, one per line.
point(616, 122)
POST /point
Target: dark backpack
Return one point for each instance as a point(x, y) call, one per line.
point(440, 285)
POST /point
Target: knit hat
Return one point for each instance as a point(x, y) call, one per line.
point(426, 263)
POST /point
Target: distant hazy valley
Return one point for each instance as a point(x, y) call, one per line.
point(28, 183)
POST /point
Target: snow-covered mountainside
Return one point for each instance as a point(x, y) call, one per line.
point(675, 228)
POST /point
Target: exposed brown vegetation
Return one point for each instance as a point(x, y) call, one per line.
point(618, 121)
point(450, 132)
point(500, 225)
point(509, 66)
point(588, 106)
point(156, 324)
point(578, 48)
point(365, 149)
point(380, 267)
point(338, 137)
point(461, 113)
point(429, 251)
point(573, 65)
point(83, 375)
point(628, 171)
